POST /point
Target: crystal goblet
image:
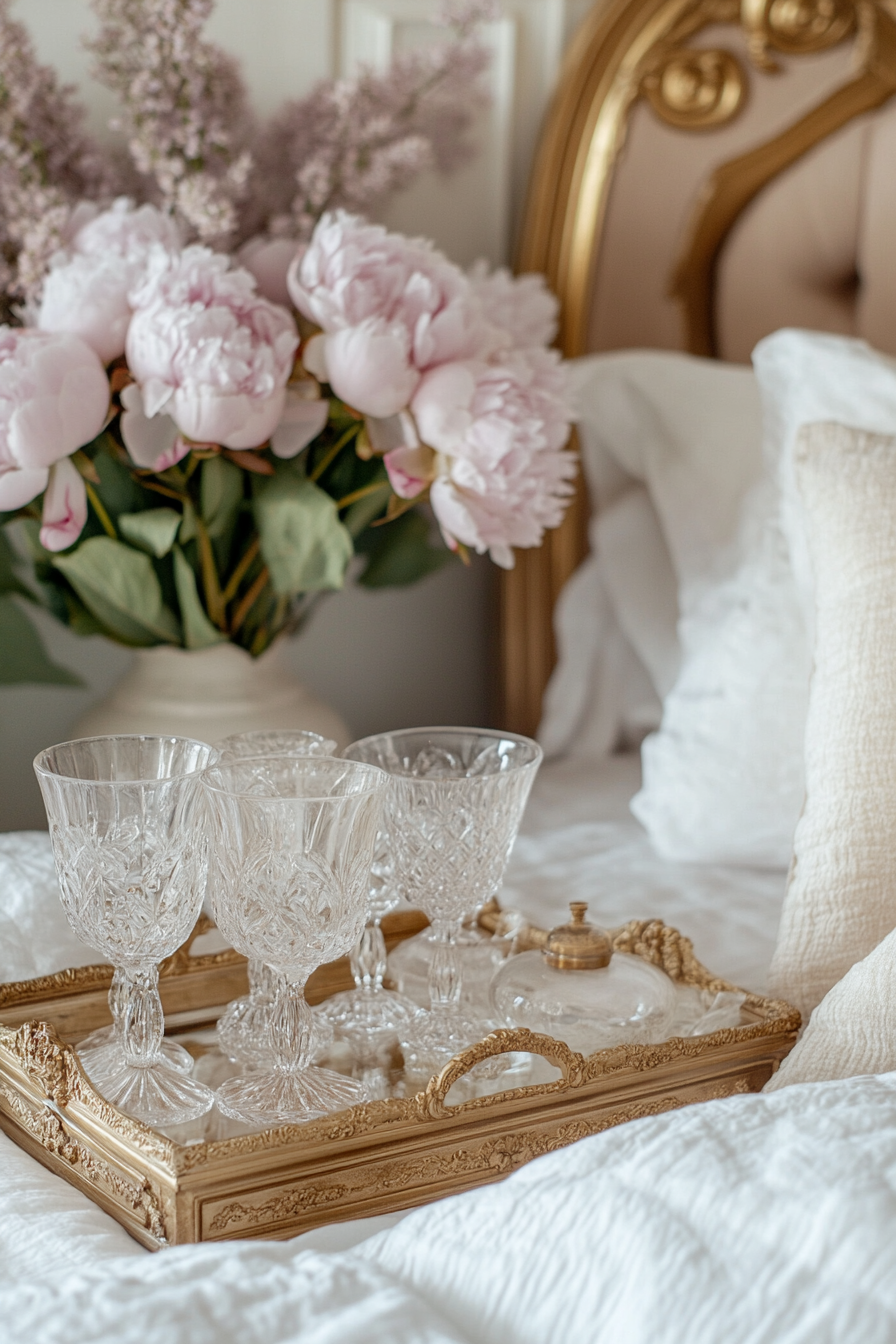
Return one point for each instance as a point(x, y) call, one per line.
point(370, 1017)
point(292, 841)
point(453, 808)
point(131, 857)
point(244, 1028)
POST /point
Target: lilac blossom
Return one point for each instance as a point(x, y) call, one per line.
point(352, 142)
point(46, 161)
point(186, 112)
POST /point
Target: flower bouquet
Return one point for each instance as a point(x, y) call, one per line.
point(220, 386)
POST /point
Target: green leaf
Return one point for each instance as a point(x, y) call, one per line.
point(119, 586)
point(188, 530)
point(9, 582)
point(118, 489)
point(400, 553)
point(23, 657)
point(153, 530)
point(221, 494)
point(199, 633)
point(303, 543)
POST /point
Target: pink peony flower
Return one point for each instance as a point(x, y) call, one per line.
point(155, 444)
point(65, 507)
point(304, 417)
point(54, 397)
point(269, 260)
point(369, 367)
point(521, 305)
point(86, 291)
point(390, 308)
point(499, 474)
point(208, 351)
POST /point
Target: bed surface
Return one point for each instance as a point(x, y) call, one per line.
point(579, 841)
point(710, 1223)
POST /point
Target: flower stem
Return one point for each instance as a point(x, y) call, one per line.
point(100, 511)
point(365, 490)
point(239, 573)
point(332, 453)
point(249, 600)
point(210, 580)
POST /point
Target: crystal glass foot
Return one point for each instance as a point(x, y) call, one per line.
point(291, 844)
point(369, 1017)
point(288, 1098)
point(131, 858)
point(243, 1030)
point(453, 808)
point(100, 1053)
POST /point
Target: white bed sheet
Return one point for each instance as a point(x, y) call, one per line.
point(580, 842)
point(68, 1272)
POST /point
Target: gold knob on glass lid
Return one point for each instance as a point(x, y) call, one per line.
point(578, 946)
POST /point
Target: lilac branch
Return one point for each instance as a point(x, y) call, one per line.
point(352, 142)
point(186, 112)
point(47, 162)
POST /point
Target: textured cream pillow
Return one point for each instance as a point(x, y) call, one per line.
point(841, 898)
point(853, 1029)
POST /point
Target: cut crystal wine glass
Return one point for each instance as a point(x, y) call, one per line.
point(455, 801)
point(244, 1028)
point(131, 858)
point(292, 841)
point(370, 1017)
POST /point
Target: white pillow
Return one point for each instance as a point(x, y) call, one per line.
point(841, 900)
point(806, 377)
point(690, 430)
point(723, 777)
point(600, 696)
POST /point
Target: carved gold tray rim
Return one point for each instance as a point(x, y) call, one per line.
point(51, 1066)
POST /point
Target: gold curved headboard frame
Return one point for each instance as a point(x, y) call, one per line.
point(631, 50)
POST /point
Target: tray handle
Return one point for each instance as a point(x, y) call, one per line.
point(504, 1041)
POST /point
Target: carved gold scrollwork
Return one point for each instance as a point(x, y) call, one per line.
point(795, 27)
point(696, 88)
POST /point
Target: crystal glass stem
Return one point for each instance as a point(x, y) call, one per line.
point(445, 972)
point(292, 1025)
point(368, 957)
point(141, 1017)
point(261, 980)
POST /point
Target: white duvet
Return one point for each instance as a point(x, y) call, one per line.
point(746, 1220)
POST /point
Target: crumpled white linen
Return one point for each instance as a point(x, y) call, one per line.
point(581, 843)
point(757, 1218)
point(35, 937)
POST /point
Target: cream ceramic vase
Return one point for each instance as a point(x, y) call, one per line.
point(209, 694)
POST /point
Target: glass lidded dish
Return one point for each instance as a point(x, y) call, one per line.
point(578, 990)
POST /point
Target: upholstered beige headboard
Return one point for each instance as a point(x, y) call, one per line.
point(709, 171)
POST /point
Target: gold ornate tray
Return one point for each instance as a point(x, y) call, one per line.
point(375, 1158)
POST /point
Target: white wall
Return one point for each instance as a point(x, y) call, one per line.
point(399, 656)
